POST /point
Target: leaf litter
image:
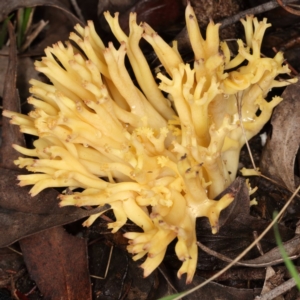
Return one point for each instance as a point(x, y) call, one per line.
point(61, 257)
point(36, 222)
point(279, 155)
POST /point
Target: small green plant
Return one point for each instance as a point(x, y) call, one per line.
point(289, 264)
point(23, 22)
point(172, 297)
point(24, 16)
point(4, 31)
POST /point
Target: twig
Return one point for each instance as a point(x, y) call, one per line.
point(31, 291)
point(245, 274)
point(14, 250)
point(287, 285)
point(244, 264)
point(253, 11)
point(239, 108)
point(41, 25)
point(107, 266)
point(7, 281)
point(293, 70)
point(162, 269)
point(259, 247)
point(13, 289)
point(78, 10)
point(289, 9)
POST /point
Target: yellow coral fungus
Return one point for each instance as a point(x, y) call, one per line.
point(158, 161)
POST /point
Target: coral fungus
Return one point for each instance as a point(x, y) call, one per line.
point(157, 153)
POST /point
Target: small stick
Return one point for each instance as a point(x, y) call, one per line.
point(287, 285)
point(253, 11)
point(78, 10)
point(288, 8)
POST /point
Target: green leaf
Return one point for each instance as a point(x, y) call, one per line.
point(3, 31)
point(23, 18)
point(171, 297)
point(289, 264)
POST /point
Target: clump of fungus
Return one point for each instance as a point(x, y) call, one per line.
point(158, 161)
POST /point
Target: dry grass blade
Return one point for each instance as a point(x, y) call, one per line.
point(239, 106)
point(252, 263)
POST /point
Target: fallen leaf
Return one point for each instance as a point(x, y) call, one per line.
point(26, 71)
point(268, 286)
point(160, 14)
point(214, 290)
point(57, 262)
point(234, 238)
point(278, 157)
point(114, 5)
point(241, 204)
point(3, 63)
point(7, 6)
point(271, 258)
point(244, 273)
point(239, 207)
point(10, 263)
point(291, 247)
point(10, 134)
point(22, 215)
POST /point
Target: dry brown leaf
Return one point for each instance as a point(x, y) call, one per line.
point(3, 63)
point(57, 262)
point(271, 258)
point(10, 263)
point(278, 158)
point(240, 206)
point(268, 283)
point(7, 6)
point(10, 134)
point(26, 71)
point(238, 210)
point(291, 247)
point(160, 14)
point(22, 215)
point(214, 291)
point(114, 5)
